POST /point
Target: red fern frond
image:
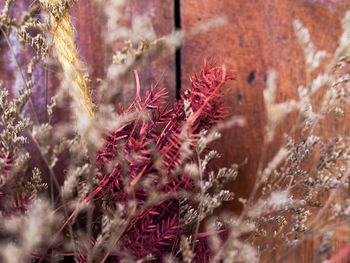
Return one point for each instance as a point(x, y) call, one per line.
point(166, 131)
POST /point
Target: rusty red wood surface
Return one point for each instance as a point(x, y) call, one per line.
point(89, 21)
point(258, 37)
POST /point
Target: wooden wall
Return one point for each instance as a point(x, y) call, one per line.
point(257, 37)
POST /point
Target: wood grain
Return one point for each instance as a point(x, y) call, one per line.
point(258, 37)
point(89, 21)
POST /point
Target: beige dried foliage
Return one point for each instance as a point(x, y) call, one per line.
point(143, 46)
point(31, 231)
point(276, 112)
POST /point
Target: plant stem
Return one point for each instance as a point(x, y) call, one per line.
point(21, 73)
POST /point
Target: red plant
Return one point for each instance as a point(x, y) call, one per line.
point(13, 201)
point(156, 131)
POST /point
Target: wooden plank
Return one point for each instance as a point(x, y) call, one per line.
point(90, 26)
point(259, 36)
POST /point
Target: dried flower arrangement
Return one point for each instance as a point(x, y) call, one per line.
point(138, 184)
